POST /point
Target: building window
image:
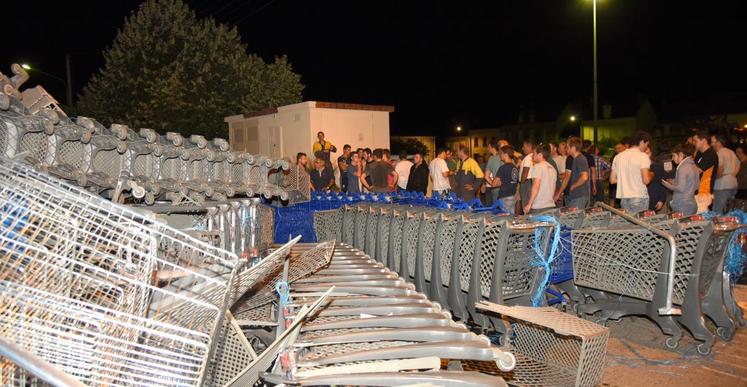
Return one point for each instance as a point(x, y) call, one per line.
point(484, 141)
point(476, 142)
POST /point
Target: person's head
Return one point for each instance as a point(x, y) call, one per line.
point(354, 159)
point(585, 145)
point(741, 154)
point(378, 154)
point(302, 159)
point(553, 148)
point(641, 140)
point(346, 150)
point(403, 155)
point(594, 150)
point(386, 155)
point(681, 152)
point(574, 146)
point(320, 136)
point(442, 153)
point(718, 141)
point(701, 141)
point(528, 147)
point(319, 163)
point(463, 153)
point(507, 154)
point(541, 153)
point(691, 140)
point(625, 143)
point(502, 143)
point(493, 147)
point(417, 158)
point(563, 148)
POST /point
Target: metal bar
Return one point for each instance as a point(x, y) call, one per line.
point(668, 309)
point(36, 365)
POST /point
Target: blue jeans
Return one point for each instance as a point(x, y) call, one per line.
point(721, 198)
point(634, 205)
point(579, 203)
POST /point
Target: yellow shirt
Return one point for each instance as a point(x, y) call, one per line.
point(318, 147)
point(470, 165)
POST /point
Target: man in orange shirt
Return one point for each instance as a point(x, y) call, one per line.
point(706, 160)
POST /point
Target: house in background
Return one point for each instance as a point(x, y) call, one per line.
point(284, 131)
point(429, 141)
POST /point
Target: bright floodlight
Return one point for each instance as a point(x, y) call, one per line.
point(459, 128)
point(26, 67)
point(573, 118)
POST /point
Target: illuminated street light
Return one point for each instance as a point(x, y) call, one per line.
point(573, 118)
point(459, 128)
point(26, 67)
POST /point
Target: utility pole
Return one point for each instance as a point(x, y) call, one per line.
point(596, 95)
point(69, 83)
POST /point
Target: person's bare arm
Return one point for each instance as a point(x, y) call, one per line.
point(524, 174)
point(720, 171)
point(646, 174)
point(535, 190)
point(582, 179)
point(396, 177)
point(613, 177)
point(364, 182)
point(563, 185)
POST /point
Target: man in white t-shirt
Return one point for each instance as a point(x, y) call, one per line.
point(543, 177)
point(403, 169)
point(525, 185)
point(631, 172)
point(725, 186)
point(440, 173)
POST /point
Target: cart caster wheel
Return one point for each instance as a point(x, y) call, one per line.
point(506, 362)
point(725, 333)
point(672, 343)
point(704, 349)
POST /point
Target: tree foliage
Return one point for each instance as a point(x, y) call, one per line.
point(411, 145)
point(170, 71)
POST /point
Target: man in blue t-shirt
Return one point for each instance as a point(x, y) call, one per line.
point(579, 189)
point(506, 179)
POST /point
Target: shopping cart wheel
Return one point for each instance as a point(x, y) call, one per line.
point(704, 349)
point(672, 342)
point(725, 333)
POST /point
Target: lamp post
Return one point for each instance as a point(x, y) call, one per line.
point(68, 83)
point(596, 95)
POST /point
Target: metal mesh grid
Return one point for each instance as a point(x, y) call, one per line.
point(395, 238)
point(466, 252)
point(613, 260)
point(552, 347)
point(70, 153)
point(410, 242)
point(372, 222)
point(361, 216)
point(596, 218)
point(107, 162)
point(491, 240)
point(427, 242)
point(520, 262)
point(232, 354)
point(348, 224)
point(267, 222)
point(35, 145)
point(446, 249)
point(78, 271)
point(382, 235)
point(328, 225)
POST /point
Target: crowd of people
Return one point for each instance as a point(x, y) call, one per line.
point(700, 174)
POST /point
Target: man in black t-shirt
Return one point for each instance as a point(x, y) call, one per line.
point(378, 171)
point(322, 178)
point(343, 162)
point(706, 160)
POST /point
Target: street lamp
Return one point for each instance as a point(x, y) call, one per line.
point(572, 118)
point(68, 84)
point(458, 128)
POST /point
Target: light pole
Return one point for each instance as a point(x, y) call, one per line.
point(596, 95)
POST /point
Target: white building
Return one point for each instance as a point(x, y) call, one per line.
point(285, 131)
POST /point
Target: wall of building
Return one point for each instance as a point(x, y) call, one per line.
point(359, 128)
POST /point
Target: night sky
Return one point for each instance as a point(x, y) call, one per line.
point(444, 63)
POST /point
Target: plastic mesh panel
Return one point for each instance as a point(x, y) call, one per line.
point(687, 246)
point(140, 165)
point(232, 354)
point(36, 144)
point(518, 269)
point(348, 224)
point(360, 227)
point(596, 219)
point(396, 239)
point(614, 260)
point(466, 253)
point(237, 173)
point(370, 236)
point(427, 241)
point(382, 235)
point(71, 153)
point(410, 241)
point(328, 225)
point(106, 162)
point(553, 348)
point(267, 221)
point(491, 238)
point(446, 249)
point(171, 169)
